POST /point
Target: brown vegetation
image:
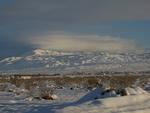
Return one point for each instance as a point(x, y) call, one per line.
point(77, 81)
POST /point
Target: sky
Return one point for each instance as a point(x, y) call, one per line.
point(75, 25)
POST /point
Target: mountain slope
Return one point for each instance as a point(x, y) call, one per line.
point(50, 61)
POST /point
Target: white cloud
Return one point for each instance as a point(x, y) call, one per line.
point(71, 42)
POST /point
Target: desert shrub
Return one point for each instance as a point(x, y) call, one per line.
point(47, 88)
point(7, 87)
point(43, 90)
point(113, 81)
point(2, 87)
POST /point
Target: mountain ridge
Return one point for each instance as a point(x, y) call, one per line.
point(53, 61)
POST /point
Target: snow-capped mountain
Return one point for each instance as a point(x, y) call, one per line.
point(51, 61)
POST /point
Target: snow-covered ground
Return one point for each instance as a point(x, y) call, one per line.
point(78, 101)
point(127, 104)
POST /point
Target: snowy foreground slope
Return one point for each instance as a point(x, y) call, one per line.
point(76, 101)
point(50, 61)
point(128, 104)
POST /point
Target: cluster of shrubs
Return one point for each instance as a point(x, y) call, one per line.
point(39, 91)
point(44, 90)
point(113, 92)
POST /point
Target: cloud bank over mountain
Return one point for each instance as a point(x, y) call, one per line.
point(73, 42)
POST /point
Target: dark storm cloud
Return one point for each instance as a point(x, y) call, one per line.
point(20, 19)
point(64, 11)
point(56, 14)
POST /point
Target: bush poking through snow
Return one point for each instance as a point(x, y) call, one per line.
point(114, 92)
point(43, 91)
point(7, 87)
point(123, 92)
point(46, 93)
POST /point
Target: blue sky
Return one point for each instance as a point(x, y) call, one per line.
point(25, 24)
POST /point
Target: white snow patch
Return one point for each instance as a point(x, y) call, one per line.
point(10, 60)
point(126, 104)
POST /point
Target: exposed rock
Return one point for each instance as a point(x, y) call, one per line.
point(109, 93)
point(50, 97)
